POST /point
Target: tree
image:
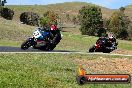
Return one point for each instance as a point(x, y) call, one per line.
point(106, 22)
point(49, 18)
point(6, 13)
point(119, 24)
point(44, 21)
point(90, 20)
point(130, 31)
point(29, 18)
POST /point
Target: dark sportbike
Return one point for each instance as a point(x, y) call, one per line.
point(40, 40)
point(103, 45)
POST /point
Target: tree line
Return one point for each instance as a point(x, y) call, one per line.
point(93, 24)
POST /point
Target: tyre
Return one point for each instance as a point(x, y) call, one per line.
point(43, 48)
point(25, 45)
point(52, 47)
point(92, 49)
point(106, 51)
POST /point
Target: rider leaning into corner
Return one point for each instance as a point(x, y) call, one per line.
point(55, 35)
point(110, 39)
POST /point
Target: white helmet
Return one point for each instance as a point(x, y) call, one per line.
point(111, 36)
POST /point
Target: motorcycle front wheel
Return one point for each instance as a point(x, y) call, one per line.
point(92, 49)
point(26, 44)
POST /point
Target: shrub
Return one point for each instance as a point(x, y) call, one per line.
point(90, 20)
point(49, 18)
point(119, 24)
point(30, 18)
point(6, 13)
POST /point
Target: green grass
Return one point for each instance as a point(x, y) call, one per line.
point(10, 43)
point(13, 33)
point(44, 71)
point(125, 46)
point(75, 42)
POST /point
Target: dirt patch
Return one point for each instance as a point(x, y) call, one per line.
point(107, 65)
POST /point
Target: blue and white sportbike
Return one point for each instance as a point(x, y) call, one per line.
point(40, 40)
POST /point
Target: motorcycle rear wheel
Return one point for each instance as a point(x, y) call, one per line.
point(50, 47)
point(106, 51)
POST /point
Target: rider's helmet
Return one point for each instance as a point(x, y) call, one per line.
point(53, 27)
point(111, 37)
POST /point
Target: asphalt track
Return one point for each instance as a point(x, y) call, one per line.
point(8, 49)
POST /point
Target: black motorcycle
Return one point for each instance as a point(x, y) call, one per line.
point(103, 45)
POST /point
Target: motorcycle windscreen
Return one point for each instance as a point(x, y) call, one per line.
point(36, 34)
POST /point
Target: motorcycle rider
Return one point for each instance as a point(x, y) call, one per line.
point(56, 33)
point(103, 39)
point(104, 44)
point(112, 40)
point(109, 40)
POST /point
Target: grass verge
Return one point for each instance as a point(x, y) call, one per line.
point(44, 71)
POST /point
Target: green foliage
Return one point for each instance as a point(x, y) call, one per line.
point(101, 32)
point(49, 18)
point(106, 22)
point(119, 24)
point(90, 20)
point(130, 31)
point(29, 18)
point(6, 13)
point(44, 21)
